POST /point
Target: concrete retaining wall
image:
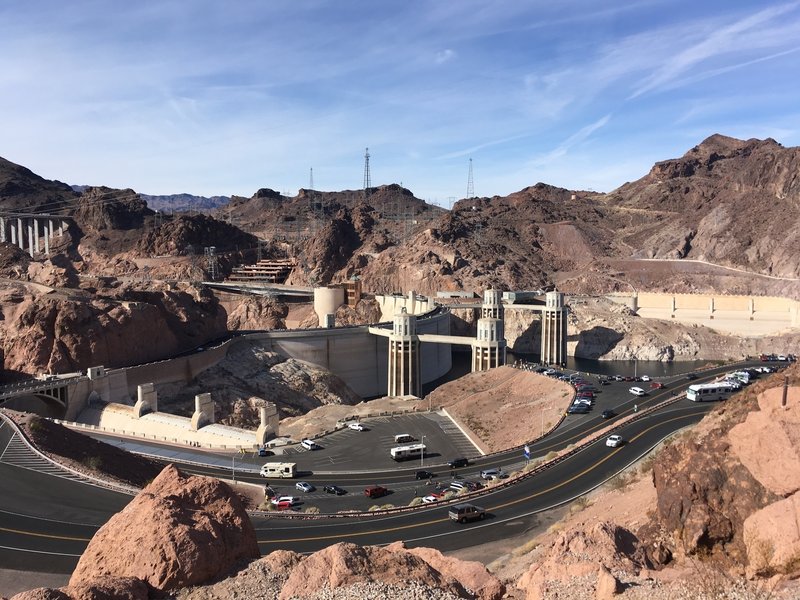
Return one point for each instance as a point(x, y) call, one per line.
point(757, 308)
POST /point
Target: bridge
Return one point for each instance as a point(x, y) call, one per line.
point(54, 389)
point(14, 225)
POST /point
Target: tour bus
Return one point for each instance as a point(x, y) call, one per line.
point(708, 392)
point(279, 470)
point(406, 452)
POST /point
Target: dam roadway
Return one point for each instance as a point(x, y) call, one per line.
point(47, 520)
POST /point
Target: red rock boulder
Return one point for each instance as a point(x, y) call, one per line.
point(346, 564)
point(179, 531)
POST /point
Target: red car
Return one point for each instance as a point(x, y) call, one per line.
point(375, 491)
point(657, 385)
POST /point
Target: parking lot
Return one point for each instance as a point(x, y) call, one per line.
point(368, 450)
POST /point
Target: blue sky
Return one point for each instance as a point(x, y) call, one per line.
point(227, 97)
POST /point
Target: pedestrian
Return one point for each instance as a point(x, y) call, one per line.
point(415, 493)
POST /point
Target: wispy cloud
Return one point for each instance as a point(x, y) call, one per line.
point(576, 138)
point(444, 56)
point(723, 41)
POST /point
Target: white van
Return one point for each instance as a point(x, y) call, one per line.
point(637, 391)
point(309, 444)
point(403, 438)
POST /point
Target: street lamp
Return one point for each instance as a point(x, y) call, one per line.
point(233, 467)
point(422, 453)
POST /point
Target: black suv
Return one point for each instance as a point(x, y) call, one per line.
point(424, 475)
point(458, 462)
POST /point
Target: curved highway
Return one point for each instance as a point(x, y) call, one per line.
point(46, 521)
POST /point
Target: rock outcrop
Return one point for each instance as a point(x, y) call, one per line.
point(58, 333)
point(178, 531)
point(584, 556)
point(345, 564)
point(471, 574)
point(729, 489)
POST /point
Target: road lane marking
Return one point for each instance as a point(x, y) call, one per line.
point(45, 535)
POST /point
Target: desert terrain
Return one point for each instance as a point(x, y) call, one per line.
point(123, 286)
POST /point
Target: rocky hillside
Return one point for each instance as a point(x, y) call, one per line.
point(728, 201)
point(24, 191)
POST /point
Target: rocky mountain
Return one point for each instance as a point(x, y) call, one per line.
point(732, 202)
point(173, 203)
point(728, 201)
point(24, 191)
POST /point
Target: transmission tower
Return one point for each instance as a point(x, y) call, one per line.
point(470, 184)
point(367, 178)
point(311, 179)
point(211, 261)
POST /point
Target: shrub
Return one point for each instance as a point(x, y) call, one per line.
point(579, 504)
point(92, 462)
point(312, 510)
point(619, 482)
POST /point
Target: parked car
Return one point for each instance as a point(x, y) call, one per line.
point(291, 500)
point(614, 440)
point(608, 414)
point(461, 513)
point(356, 426)
point(492, 473)
point(457, 485)
point(473, 486)
point(644, 378)
point(424, 475)
point(309, 444)
point(458, 462)
point(334, 489)
point(304, 486)
point(265, 452)
point(579, 409)
point(375, 491)
point(431, 498)
point(637, 391)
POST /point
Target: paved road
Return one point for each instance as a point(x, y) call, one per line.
point(46, 515)
point(47, 519)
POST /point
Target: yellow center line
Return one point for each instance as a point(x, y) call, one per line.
point(45, 535)
point(504, 505)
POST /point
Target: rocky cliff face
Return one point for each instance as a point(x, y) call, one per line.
point(64, 333)
point(718, 490)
